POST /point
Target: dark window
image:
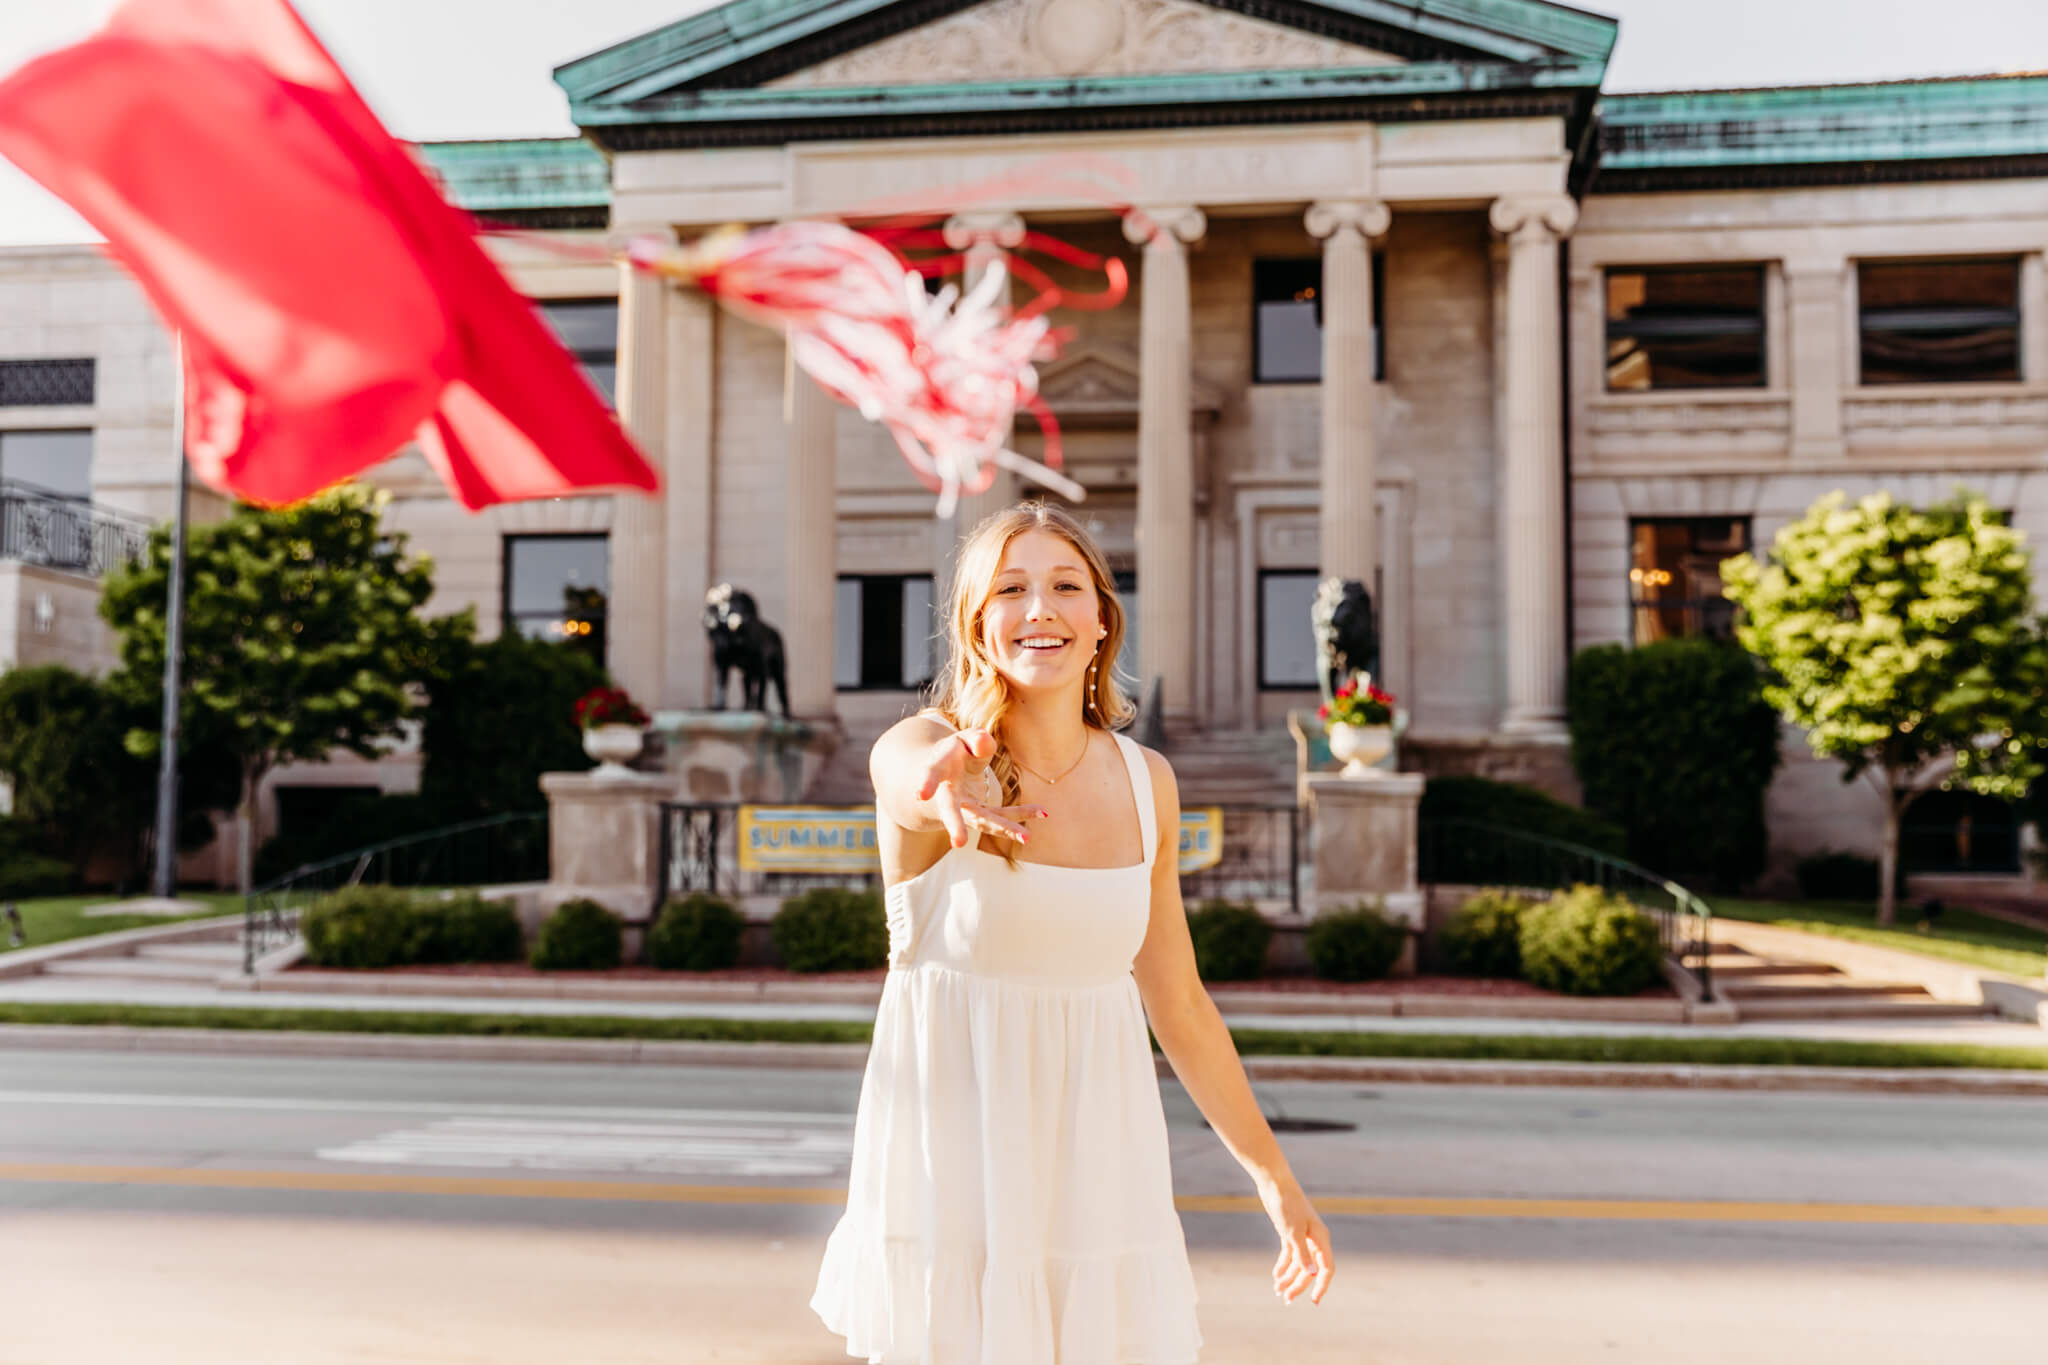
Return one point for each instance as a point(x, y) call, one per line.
point(590, 329)
point(1693, 328)
point(883, 628)
point(1674, 576)
point(1939, 322)
point(1287, 320)
point(555, 589)
point(55, 462)
point(45, 383)
point(1287, 640)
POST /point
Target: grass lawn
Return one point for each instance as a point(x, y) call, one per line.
point(1251, 1042)
point(1958, 936)
point(57, 918)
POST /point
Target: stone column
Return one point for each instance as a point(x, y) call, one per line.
point(1820, 363)
point(811, 549)
point(2034, 317)
point(985, 237)
point(1166, 460)
point(637, 606)
point(1532, 465)
point(1350, 460)
point(692, 417)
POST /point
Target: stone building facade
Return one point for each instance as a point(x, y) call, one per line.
point(1412, 301)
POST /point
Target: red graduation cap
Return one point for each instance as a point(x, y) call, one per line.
point(333, 306)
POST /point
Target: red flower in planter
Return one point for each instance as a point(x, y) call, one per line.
point(608, 706)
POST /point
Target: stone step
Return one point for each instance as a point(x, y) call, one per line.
point(1742, 989)
point(1853, 1007)
point(229, 953)
point(135, 969)
point(1765, 967)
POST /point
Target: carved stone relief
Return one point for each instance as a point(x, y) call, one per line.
point(1027, 39)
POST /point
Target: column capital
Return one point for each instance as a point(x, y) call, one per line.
point(1534, 217)
point(1178, 222)
point(1368, 217)
point(966, 230)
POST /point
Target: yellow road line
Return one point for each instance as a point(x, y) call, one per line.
point(1347, 1206)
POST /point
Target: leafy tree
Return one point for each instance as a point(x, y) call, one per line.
point(76, 784)
point(1674, 742)
point(301, 633)
point(483, 695)
point(1902, 641)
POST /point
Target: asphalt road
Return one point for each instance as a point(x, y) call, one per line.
point(166, 1209)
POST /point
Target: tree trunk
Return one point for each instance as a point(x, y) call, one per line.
point(1888, 856)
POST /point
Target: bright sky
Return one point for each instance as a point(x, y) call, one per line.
point(480, 68)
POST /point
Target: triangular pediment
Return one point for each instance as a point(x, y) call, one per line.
point(1039, 39)
point(774, 46)
point(1096, 383)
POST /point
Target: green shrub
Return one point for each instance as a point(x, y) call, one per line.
point(831, 929)
point(1451, 854)
point(468, 928)
point(695, 933)
point(580, 936)
point(1674, 742)
point(25, 875)
point(1587, 941)
point(1484, 937)
point(366, 926)
point(1230, 941)
point(355, 822)
point(1359, 944)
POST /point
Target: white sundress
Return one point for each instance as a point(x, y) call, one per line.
point(1011, 1197)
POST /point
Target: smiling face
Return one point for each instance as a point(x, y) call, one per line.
point(1043, 619)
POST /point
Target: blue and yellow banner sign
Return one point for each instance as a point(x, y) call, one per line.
point(1201, 838)
point(808, 839)
point(836, 839)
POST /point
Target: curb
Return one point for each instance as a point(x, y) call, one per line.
point(869, 993)
point(853, 1057)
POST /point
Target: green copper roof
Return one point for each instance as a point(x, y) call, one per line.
point(1905, 121)
point(1245, 88)
point(746, 42)
point(522, 174)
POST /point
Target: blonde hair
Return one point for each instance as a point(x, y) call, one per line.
point(971, 693)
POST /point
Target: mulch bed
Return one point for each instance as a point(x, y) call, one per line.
point(1289, 985)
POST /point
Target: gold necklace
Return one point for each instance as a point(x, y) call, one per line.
point(1086, 740)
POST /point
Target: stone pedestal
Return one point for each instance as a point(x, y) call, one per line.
point(604, 840)
point(1365, 846)
point(721, 756)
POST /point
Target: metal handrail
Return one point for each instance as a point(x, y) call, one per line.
point(1684, 923)
point(269, 916)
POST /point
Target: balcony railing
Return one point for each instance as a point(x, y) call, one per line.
point(42, 528)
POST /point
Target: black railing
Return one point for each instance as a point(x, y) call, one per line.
point(495, 851)
point(699, 851)
point(1264, 849)
point(40, 527)
point(1471, 853)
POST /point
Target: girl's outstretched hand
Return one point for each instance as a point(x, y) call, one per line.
point(958, 766)
point(1306, 1263)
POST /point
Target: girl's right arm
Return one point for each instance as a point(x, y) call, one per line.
point(930, 777)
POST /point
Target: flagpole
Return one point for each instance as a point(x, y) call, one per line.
point(165, 882)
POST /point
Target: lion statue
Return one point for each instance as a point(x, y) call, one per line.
point(1347, 637)
point(741, 639)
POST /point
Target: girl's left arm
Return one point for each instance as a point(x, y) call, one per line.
point(1196, 1041)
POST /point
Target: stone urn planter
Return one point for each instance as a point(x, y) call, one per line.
point(613, 746)
point(1358, 747)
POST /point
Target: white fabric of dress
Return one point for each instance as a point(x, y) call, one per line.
point(1011, 1197)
